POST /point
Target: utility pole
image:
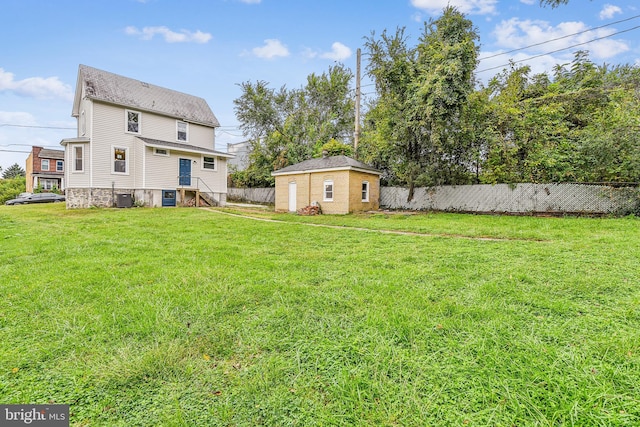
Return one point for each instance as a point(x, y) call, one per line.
point(356, 136)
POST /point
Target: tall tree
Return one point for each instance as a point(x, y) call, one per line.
point(289, 126)
point(423, 91)
point(13, 171)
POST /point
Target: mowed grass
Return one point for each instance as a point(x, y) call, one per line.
point(188, 317)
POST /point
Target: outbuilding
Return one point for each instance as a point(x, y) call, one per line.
point(338, 184)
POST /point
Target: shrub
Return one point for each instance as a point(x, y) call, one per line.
point(10, 188)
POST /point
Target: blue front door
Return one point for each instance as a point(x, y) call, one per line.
point(185, 172)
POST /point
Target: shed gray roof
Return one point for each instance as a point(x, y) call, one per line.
point(115, 89)
point(47, 153)
point(327, 163)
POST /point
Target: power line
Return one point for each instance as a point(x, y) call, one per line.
point(37, 127)
point(559, 38)
point(559, 50)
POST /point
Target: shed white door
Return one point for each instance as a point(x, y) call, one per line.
point(292, 196)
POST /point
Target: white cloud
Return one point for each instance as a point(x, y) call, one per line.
point(36, 87)
point(516, 33)
point(529, 2)
point(338, 52)
point(476, 7)
point(609, 11)
point(272, 48)
point(18, 118)
point(184, 36)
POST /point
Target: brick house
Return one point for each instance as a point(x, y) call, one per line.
point(339, 184)
point(45, 169)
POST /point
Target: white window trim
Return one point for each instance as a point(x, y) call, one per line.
point(166, 154)
point(42, 163)
point(62, 163)
point(74, 158)
point(324, 190)
point(113, 159)
point(215, 163)
point(126, 122)
point(366, 198)
point(186, 130)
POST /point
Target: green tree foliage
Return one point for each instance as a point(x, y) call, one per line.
point(423, 91)
point(11, 187)
point(289, 126)
point(578, 125)
point(13, 171)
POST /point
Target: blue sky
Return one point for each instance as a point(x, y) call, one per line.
point(207, 47)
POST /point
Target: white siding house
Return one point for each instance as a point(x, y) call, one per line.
point(141, 143)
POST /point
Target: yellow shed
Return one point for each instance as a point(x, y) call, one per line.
point(339, 184)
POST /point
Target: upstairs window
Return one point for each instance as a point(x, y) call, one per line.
point(209, 163)
point(133, 121)
point(60, 166)
point(328, 191)
point(120, 160)
point(365, 191)
point(44, 164)
point(182, 129)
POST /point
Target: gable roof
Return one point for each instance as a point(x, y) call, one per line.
point(47, 153)
point(115, 89)
point(325, 164)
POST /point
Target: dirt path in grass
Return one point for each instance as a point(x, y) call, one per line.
point(372, 230)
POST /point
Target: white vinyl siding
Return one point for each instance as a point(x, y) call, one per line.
point(107, 120)
point(146, 170)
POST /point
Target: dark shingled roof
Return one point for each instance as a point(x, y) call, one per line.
point(334, 162)
point(113, 88)
point(47, 153)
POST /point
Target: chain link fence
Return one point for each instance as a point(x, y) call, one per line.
point(520, 199)
point(565, 198)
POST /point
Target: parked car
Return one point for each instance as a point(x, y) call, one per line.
point(36, 198)
point(22, 195)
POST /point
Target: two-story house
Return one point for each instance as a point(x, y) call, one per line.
point(45, 169)
point(154, 145)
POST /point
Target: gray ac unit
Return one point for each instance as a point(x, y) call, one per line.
point(124, 201)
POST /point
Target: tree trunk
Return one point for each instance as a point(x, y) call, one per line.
point(411, 188)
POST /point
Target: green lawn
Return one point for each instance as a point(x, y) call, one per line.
point(192, 317)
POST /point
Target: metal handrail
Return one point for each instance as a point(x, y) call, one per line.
point(198, 181)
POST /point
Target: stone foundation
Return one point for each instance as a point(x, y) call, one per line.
point(83, 198)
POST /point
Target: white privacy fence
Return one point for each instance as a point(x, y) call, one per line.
point(591, 199)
